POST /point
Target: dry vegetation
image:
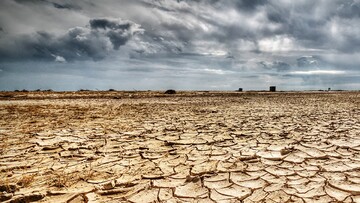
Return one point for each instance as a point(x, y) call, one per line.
point(188, 147)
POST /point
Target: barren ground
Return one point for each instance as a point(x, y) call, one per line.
point(188, 147)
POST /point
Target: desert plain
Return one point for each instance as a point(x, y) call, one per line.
point(117, 146)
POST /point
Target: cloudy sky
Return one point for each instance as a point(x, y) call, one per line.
point(181, 44)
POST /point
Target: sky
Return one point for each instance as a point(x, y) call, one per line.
point(179, 44)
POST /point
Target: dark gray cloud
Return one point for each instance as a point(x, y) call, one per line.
point(109, 24)
point(273, 42)
point(80, 43)
point(320, 27)
point(185, 23)
point(308, 61)
point(349, 9)
point(30, 1)
point(118, 31)
point(249, 4)
point(276, 65)
point(59, 5)
point(65, 6)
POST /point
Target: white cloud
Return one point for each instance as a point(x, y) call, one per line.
point(214, 71)
point(277, 43)
point(318, 72)
point(59, 59)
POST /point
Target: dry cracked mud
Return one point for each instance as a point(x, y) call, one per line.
point(188, 147)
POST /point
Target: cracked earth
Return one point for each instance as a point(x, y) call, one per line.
point(188, 147)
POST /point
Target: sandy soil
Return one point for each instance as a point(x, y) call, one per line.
point(188, 147)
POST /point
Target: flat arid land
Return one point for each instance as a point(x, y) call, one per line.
point(187, 147)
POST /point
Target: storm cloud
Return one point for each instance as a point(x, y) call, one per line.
point(94, 42)
point(294, 44)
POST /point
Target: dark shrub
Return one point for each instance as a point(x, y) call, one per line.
point(170, 92)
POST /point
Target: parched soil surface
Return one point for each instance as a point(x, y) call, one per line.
point(186, 147)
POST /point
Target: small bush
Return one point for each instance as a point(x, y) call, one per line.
point(170, 91)
point(26, 180)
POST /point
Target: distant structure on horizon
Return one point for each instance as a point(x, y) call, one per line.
point(272, 88)
point(240, 89)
